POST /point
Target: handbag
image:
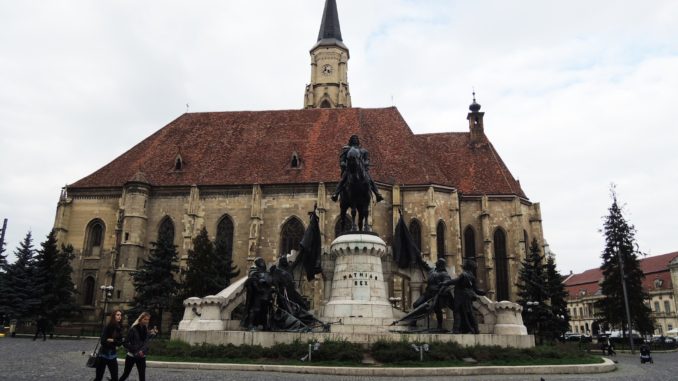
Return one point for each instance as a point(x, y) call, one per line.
point(93, 358)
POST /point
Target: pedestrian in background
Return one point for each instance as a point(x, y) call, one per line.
point(137, 346)
point(40, 327)
point(110, 340)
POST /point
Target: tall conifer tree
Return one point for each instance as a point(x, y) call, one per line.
point(155, 283)
point(198, 280)
point(53, 281)
point(20, 295)
point(555, 289)
point(620, 243)
point(532, 290)
point(209, 268)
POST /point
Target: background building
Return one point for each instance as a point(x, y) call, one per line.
point(251, 177)
point(661, 274)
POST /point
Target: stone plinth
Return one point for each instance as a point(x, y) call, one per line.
point(203, 314)
point(358, 286)
point(268, 339)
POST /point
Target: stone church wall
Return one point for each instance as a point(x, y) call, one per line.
point(259, 213)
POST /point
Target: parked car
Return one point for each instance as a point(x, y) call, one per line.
point(663, 340)
point(578, 338)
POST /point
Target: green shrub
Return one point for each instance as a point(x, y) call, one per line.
point(393, 351)
point(294, 350)
point(387, 352)
point(340, 350)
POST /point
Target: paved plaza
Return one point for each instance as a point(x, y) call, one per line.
point(62, 360)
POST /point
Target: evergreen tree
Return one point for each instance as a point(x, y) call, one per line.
point(20, 296)
point(532, 291)
point(620, 245)
point(53, 281)
point(199, 279)
point(155, 285)
point(210, 270)
point(555, 290)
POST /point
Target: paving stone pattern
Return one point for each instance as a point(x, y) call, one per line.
point(62, 360)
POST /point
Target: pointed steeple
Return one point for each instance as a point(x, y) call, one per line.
point(329, 28)
point(330, 31)
point(329, 65)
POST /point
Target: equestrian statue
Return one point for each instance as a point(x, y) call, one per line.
point(356, 186)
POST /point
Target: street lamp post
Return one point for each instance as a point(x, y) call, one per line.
point(626, 299)
point(107, 292)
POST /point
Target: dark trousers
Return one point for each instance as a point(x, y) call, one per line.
point(38, 332)
point(129, 364)
point(101, 368)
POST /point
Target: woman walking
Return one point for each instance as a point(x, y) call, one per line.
point(137, 346)
point(111, 338)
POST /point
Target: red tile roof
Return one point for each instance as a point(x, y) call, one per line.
point(655, 267)
point(248, 147)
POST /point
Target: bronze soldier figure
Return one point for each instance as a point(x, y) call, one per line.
point(465, 292)
point(259, 286)
point(436, 287)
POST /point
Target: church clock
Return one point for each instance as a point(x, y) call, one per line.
point(327, 70)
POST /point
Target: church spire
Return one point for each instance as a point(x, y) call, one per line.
point(329, 28)
point(329, 65)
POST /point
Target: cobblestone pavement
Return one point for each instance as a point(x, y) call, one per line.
point(63, 360)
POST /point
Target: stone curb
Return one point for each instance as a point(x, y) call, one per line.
point(606, 366)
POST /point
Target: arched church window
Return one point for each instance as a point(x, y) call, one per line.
point(166, 231)
point(470, 244)
point(325, 104)
point(178, 163)
point(290, 235)
point(440, 240)
point(224, 239)
point(94, 238)
point(88, 291)
point(415, 231)
point(337, 226)
point(501, 265)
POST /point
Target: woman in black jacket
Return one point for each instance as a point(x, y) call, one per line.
point(111, 338)
point(137, 346)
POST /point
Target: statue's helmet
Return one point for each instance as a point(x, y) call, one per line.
point(282, 262)
point(354, 141)
point(260, 263)
point(441, 264)
point(469, 265)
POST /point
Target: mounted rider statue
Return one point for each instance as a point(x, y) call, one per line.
point(354, 141)
point(356, 185)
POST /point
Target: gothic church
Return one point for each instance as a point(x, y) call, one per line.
point(206, 169)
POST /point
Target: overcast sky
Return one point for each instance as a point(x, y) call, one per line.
point(577, 94)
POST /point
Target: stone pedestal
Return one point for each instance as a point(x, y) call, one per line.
point(358, 288)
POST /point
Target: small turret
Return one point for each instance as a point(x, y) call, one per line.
point(475, 122)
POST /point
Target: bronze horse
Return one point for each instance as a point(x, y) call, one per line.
point(356, 192)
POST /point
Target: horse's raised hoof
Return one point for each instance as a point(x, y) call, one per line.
point(379, 197)
point(334, 197)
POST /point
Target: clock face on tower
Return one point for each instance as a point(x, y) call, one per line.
point(327, 69)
